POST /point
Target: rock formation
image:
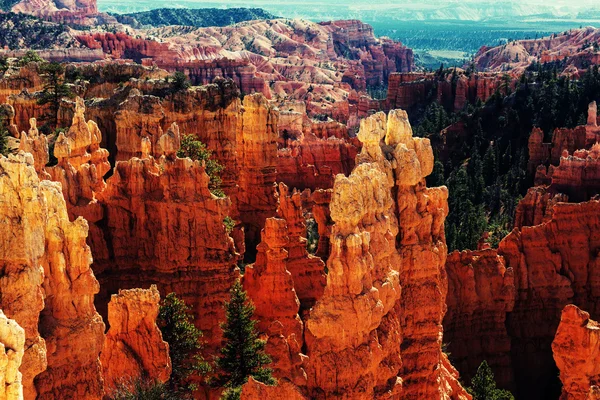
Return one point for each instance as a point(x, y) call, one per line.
point(37, 145)
point(82, 165)
point(253, 390)
point(21, 255)
point(481, 292)
point(164, 227)
point(12, 344)
point(575, 349)
point(47, 261)
point(257, 160)
point(553, 266)
point(391, 343)
point(408, 90)
point(134, 347)
point(307, 270)
point(572, 46)
point(277, 313)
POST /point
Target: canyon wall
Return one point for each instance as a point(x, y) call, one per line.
point(481, 291)
point(12, 347)
point(575, 349)
point(50, 286)
point(134, 347)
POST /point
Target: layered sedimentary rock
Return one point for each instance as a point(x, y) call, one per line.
point(253, 390)
point(54, 268)
point(82, 165)
point(134, 347)
point(36, 144)
point(23, 237)
point(257, 161)
point(574, 47)
point(307, 270)
point(422, 248)
point(481, 292)
point(407, 90)
point(537, 206)
point(277, 313)
point(312, 163)
point(382, 260)
point(256, 52)
point(554, 265)
point(575, 349)
point(164, 227)
point(12, 344)
point(577, 175)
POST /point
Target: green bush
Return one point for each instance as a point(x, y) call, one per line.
point(197, 151)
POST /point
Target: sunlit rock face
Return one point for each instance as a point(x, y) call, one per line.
point(51, 291)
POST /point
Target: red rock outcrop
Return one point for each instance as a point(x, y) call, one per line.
point(312, 163)
point(575, 349)
point(577, 175)
point(481, 292)
point(164, 227)
point(36, 145)
point(12, 344)
point(553, 266)
point(257, 161)
point(277, 313)
point(254, 390)
point(537, 206)
point(134, 347)
point(307, 270)
point(21, 256)
point(391, 343)
point(81, 167)
point(407, 90)
point(73, 331)
point(573, 46)
point(280, 50)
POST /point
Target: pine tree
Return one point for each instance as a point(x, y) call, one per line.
point(483, 385)
point(55, 89)
point(243, 353)
point(185, 345)
point(4, 149)
point(490, 165)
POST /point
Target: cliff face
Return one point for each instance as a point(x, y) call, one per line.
point(391, 342)
point(481, 292)
point(58, 283)
point(575, 349)
point(12, 343)
point(257, 160)
point(280, 50)
point(553, 266)
point(407, 90)
point(573, 46)
point(21, 255)
point(134, 347)
point(164, 227)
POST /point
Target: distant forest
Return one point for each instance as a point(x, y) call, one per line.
point(199, 18)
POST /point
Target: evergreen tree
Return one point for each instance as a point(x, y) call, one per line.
point(437, 176)
point(180, 82)
point(197, 151)
point(483, 385)
point(243, 353)
point(4, 150)
point(54, 91)
point(185, 345)
point(490, 165)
